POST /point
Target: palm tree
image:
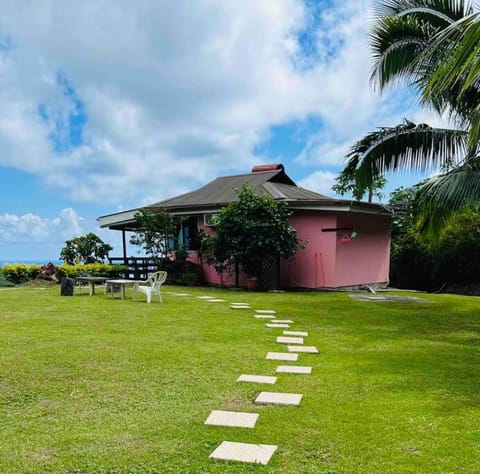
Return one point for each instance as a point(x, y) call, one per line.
point(434, 46)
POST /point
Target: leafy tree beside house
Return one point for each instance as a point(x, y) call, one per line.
point(450, 262)
point(411, 263)
point(155, 227)
point(251, 231)
point(85, 249)
point(347, 182)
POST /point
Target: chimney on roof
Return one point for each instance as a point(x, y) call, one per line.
point(270, 167)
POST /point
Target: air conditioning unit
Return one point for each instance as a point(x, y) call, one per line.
point(210, 220)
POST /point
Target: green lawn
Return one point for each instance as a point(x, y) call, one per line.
point(94, 385)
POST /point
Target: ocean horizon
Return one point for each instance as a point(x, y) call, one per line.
point(32, 261)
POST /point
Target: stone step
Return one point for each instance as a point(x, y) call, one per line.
point(244, 452)
point(277, 398)
point(257, 379)
point(232, 418)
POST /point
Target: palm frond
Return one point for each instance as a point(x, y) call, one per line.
point(459, 45)
point(442, 195)
point(406, 146)
point(441, 9)
point(396, 44)
point(403, 30)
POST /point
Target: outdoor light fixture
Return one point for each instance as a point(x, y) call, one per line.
point(354, 234)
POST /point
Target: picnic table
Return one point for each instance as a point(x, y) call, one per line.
point(120, 283)
point(91, 280)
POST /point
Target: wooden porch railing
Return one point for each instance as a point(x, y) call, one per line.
point(139, 268)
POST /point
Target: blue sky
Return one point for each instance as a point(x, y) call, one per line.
point(108, 112)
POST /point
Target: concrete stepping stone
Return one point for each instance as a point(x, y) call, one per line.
point(289, 340)
point(310, 349)
point(240, 307)
point(273, 325)
point(293, 369)
point(206, 297)
point(282, 321)
point(240, 304)
point(281, 356)
point(264, 316)
point(181, 294)
point(265, 311)
point(295, 333)
point(276, 398)
point(244, 452)
point(257, 379)
point(232, 418)
point(215, 300)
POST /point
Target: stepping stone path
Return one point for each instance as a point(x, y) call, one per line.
point(257, 379)
point(244, 452)
point(232, 418)
point(295, 333)
point(215, 300)
point(276, 398)
point(289, 340)
point(293, 369)
point(281, 356)
point(310, 349)
point(206, 297)
point(261, 453)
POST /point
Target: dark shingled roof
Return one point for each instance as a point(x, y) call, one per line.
point(223, 190)
point(269, 179)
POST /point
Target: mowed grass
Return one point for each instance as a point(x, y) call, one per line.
point(95, 385)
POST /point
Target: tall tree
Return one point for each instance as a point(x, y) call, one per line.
point(85, 249)
point(155, 227)
point(347, 182)
point(419, 42)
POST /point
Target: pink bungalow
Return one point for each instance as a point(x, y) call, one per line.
point(348, 242)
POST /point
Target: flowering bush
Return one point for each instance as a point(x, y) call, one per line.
point(94, 269)
point(19, 272)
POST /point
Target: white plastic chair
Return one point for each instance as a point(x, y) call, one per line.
point(151, 286)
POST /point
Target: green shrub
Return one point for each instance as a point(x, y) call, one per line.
point(457, 257)
point(19, 272)
point(4, 283)
point(188, 278)
point(183, 272)
point(94, 269)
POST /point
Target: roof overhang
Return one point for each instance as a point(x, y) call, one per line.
point(125, 220)
point(340, 206)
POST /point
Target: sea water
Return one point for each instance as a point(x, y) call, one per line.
point(31, 262)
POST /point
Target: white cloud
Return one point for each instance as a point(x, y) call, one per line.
point(320, 182)
point(176, 93)
point(32, 237)
point(34, 228)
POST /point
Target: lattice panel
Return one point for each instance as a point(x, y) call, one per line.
point(271, 274)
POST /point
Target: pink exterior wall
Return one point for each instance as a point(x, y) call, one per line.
point(366, 259)
point(210, 275)
point(326, 262)
point(314, 266)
